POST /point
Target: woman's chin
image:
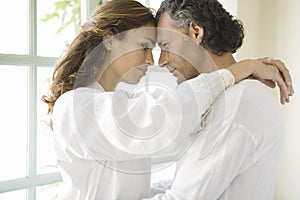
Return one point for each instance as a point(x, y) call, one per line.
point(133, 81)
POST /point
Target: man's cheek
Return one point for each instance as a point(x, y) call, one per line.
point(175, 48)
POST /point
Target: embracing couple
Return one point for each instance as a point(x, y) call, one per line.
point(226, 132)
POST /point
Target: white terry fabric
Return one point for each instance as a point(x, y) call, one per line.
point(237, 154)
point(100, 151)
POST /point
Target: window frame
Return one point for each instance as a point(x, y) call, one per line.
point(32, 61)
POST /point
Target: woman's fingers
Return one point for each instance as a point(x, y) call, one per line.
point(286, 75)
point(269, 83)
point(284, 72)
point(267, 60)
point(284, 92)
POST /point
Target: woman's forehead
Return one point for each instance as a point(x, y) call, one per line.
point(147, 33)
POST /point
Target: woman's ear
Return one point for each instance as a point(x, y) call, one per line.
point(196, 32)
point(108, 41)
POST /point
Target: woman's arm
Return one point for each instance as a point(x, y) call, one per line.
point(268, 71)
point(119, 126)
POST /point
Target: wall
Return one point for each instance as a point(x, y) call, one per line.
point(273, 29)
point(230, 6)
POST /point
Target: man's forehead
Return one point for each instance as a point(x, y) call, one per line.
point(163, 35)
point(165, 21)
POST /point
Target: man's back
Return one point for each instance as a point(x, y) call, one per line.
point(258, 114)
point(236, 153)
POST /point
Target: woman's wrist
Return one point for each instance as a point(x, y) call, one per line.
point(242, 70)
point(227, 78)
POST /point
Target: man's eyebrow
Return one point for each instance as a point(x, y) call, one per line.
point(162, 42)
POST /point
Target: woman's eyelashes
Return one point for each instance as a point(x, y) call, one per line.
point(145, 47)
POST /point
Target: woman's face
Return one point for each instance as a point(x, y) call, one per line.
point(132, 55)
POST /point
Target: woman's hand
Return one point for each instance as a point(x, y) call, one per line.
point(284, 72)
point(268, 71)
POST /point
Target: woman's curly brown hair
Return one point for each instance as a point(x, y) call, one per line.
point(112, 17)
point(222, 33)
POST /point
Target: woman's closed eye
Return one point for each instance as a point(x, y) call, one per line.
point(144, 46)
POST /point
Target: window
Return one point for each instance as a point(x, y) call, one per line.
point(28, 51)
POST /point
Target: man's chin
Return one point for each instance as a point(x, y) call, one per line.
point(180, 80)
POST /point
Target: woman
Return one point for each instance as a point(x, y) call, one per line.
point(102, 153)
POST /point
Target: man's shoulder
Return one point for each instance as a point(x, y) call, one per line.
point(252, 105)
point(251, 97)
point(249, 85)
point(250, 93)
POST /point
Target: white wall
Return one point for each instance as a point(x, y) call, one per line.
point(230, 6)
point(273, 29)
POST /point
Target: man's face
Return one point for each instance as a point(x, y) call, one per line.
point(173, 50)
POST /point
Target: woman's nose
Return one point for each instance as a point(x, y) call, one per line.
point(149, 58)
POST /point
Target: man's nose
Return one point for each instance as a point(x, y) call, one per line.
point(149, 57)
point(163, 58)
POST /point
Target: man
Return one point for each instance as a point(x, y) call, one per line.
point(236, 152)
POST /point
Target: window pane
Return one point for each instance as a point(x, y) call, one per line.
point(156, 54)
point(144, 2)
point(46, 159)
point(151, 3)
point(155, 4)
point(47, 192)
point(19, 194)
point(49, 41)
point(13, 117)
point(14, 27)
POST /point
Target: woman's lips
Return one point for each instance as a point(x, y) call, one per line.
point(144, 70)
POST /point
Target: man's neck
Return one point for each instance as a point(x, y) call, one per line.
point(223, 61)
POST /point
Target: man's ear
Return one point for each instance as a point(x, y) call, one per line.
point(196, 32)
point(108, 41)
